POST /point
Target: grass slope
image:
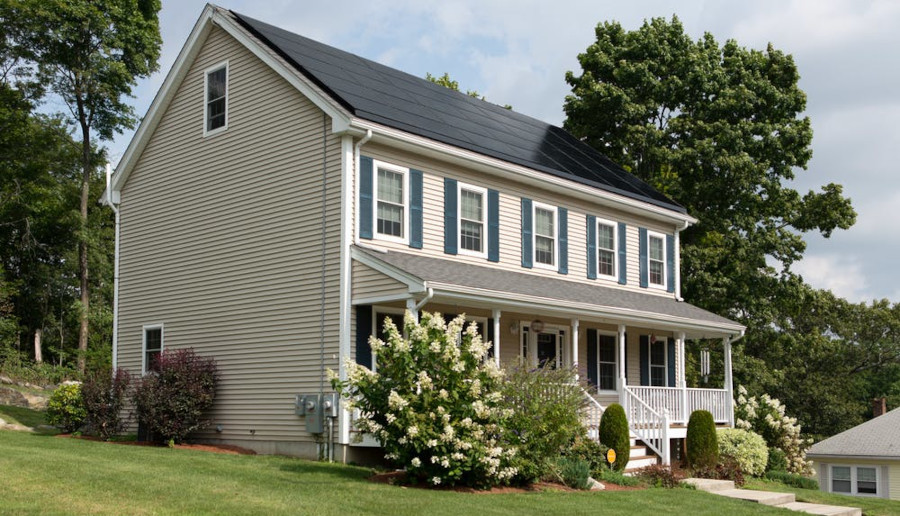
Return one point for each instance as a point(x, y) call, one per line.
point(71, 476)
point(22, 416)
point(869, 506)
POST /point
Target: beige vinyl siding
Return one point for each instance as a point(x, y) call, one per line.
point(368, 283)
point(221, 241)
point(511, 193)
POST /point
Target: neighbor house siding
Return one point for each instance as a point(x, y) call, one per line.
point(889, 484)
point(221, 241)
point(510, 194)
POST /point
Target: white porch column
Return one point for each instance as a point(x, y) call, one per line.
point(411, 306)
point(621, 339)
point(729, 387)
point(496, 343)
point(682, 381)
point(575, 323)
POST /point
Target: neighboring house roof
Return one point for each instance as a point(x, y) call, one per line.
point(876, 438)
point(532, 289)
point(386, 96)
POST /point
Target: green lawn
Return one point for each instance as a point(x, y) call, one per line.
point(22, 416)
point(869, 506)
point(50, 475)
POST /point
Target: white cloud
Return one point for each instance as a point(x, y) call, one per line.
point(841, 274)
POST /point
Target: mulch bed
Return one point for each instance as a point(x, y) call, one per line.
point(211, 448)
point(397, 478)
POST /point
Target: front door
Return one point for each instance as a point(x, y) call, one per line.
point(546, 347)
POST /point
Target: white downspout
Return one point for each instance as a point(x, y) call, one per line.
point(424, 300)
point(115, 335)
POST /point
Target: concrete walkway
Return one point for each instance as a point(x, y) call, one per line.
point(783, 500)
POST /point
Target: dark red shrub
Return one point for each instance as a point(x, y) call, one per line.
point(104, 394)
point(171, 400)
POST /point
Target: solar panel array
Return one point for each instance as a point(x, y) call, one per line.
point(378, 93)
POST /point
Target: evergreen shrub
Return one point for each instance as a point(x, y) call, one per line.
point(702, 444)
point(614, 434)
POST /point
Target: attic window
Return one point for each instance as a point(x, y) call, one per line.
point(216, 99)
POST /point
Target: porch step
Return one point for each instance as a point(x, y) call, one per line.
point(641, 461)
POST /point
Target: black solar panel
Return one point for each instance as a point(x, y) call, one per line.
point(381, 94)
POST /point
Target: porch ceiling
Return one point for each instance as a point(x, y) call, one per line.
point(504, 289)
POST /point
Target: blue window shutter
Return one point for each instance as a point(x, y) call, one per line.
point(527, 242)
point(642, 252)
point(591, 247)
point(671, 344)
point(450, 220)
point(563, 215)
point(363, 331)
point(645, 360)
point(592, 357)
point(489, 336)
point(623, 255)
point(493, 243)
point(415, 208)
point(366, 183)
point(670, 259)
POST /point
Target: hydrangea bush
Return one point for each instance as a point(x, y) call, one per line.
point(434, 403)
point(766, 417)
point(747, 448)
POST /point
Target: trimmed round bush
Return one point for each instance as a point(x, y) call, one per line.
point(614, 434)
point(65, 408)
point(747, 448)
point(702, 445)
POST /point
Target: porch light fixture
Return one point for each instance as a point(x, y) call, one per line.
point(537, 325)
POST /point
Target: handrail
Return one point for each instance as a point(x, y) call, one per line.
point(594, 412)
point(650, 426)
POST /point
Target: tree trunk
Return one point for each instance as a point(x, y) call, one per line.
point(83, 244)
point(38, 356)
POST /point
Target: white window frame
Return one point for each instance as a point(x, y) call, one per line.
point(162, 342)
point(211, 69)
point(404, 171)
point(615, 249)
point(854, 488)
point(534, 207)
point(459, 219)
point(665, 264)
point(617, 358)
point(665, 364)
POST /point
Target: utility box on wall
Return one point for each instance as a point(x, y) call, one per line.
point(315, 408)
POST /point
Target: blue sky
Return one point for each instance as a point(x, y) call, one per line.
point(517, 52)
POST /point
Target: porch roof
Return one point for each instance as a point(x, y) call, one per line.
point(505, 288)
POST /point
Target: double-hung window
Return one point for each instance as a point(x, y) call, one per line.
point(658, 362)
point(606, 248)
point(856, 480)
point(606, 361)
point(152, 347)
point(545, 236)
point(472, 212)
point(215, 103)
point(391, 202)
point(656, 259)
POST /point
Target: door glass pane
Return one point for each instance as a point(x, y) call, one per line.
point(546, 349)
point(379, 321)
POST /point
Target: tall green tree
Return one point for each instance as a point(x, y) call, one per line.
point(447, 82)
point(90, 54)
point(721, 130)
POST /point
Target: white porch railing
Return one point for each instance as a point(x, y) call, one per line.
point(682, 402)
point(592, 413)
point(648, 425)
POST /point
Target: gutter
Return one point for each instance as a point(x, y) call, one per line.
point(108, 199)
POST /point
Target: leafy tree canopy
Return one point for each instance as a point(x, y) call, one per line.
point(447, 82)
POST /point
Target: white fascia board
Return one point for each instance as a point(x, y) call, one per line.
point(860, 458)
point(415, 285)
point(443, 151)
point(585, 311)
point(217, 16)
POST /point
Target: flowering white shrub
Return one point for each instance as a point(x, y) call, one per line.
point(747, 448)
point(433, 403)
point(766, 417)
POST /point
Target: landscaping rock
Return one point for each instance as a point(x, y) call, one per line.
point(12, 397)
point(16, 426)
point(35, 401)
point(2, 422)
point(5, 379)
point(596, 486)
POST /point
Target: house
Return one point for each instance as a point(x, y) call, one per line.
point(864, 460)
point(282, 197)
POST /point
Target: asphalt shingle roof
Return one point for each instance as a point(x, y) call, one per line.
point(878, 437)
point(381, 94)
point(437, 270)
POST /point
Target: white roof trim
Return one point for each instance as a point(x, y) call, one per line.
point(213, 15)
point(399, 138)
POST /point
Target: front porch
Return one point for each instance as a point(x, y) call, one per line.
point(629, 349)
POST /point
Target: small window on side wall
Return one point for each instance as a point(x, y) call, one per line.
point(215, 99)
point(152, 347)
point(656, 256)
